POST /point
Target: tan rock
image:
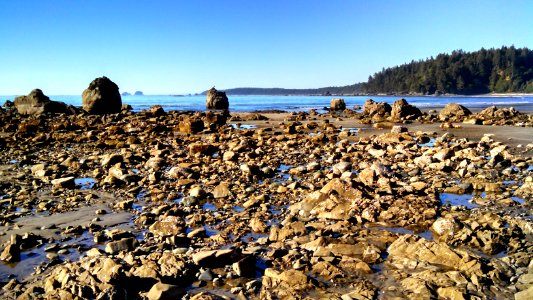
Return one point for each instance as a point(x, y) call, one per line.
point(163, 291)
point(525, 294)
point(168, 226)
point(221, 191)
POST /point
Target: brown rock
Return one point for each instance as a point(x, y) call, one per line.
point(168, 226)
point(221, 191)
point(216, 99)
point(11, 253)
point(191, 125)
point(214, 258)
point(102, 97)
point(163, 291)
point(67, 182)
point(376, 109)
point(337, 104)
point(126, 244)
point(454, 112)
point(401, 110)
point(38, 103)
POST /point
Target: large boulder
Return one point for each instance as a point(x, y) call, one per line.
point(102, 97)
point(454, 112)
point(401, 110)
point(37, 102)
point(372, 108)
point(337, 104)
point(216, 99)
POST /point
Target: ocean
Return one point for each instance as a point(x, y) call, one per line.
point(303, 103)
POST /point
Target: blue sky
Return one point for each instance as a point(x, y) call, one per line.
point(175, 47)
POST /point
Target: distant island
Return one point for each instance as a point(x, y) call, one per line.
point(137, 93)
point(503, 70)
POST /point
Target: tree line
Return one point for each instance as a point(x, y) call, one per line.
point(503, 70)
point(325, 91)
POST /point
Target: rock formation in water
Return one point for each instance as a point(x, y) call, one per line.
point(337, 104)
point(216, 99)
point(102, 97)
point(36, 102)
point(138, 93)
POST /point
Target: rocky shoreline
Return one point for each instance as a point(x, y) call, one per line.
point(378, 203)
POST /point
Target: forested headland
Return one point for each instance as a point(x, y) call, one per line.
point(325, 91)
point(502, 70)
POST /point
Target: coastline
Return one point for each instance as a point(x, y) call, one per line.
point(151, 188)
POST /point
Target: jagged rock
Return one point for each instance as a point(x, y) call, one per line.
point(401, 110)
point(107, 270)
point(337, 104)
point(38, 103)
point(216, 99)
point(378, 110)
point(102, 97)
point(11, 253)
point(454, 112)
point(336, 200)
point(418, 251)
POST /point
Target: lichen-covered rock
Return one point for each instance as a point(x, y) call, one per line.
point(102, 97)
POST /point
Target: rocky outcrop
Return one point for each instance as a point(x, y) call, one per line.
point(216, 99)
point(401, 110)
point(102, 97)
point(376, 110)
point(454, 112)
point(337, 104)
point(499, 116)
point(37, 102)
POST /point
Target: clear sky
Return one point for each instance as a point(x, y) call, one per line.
point(175, 47)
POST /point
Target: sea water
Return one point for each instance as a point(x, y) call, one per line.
point(302, 103)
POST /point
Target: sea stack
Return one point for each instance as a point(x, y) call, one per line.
point(216, 99)
point(102, 97)
point(337, 104)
